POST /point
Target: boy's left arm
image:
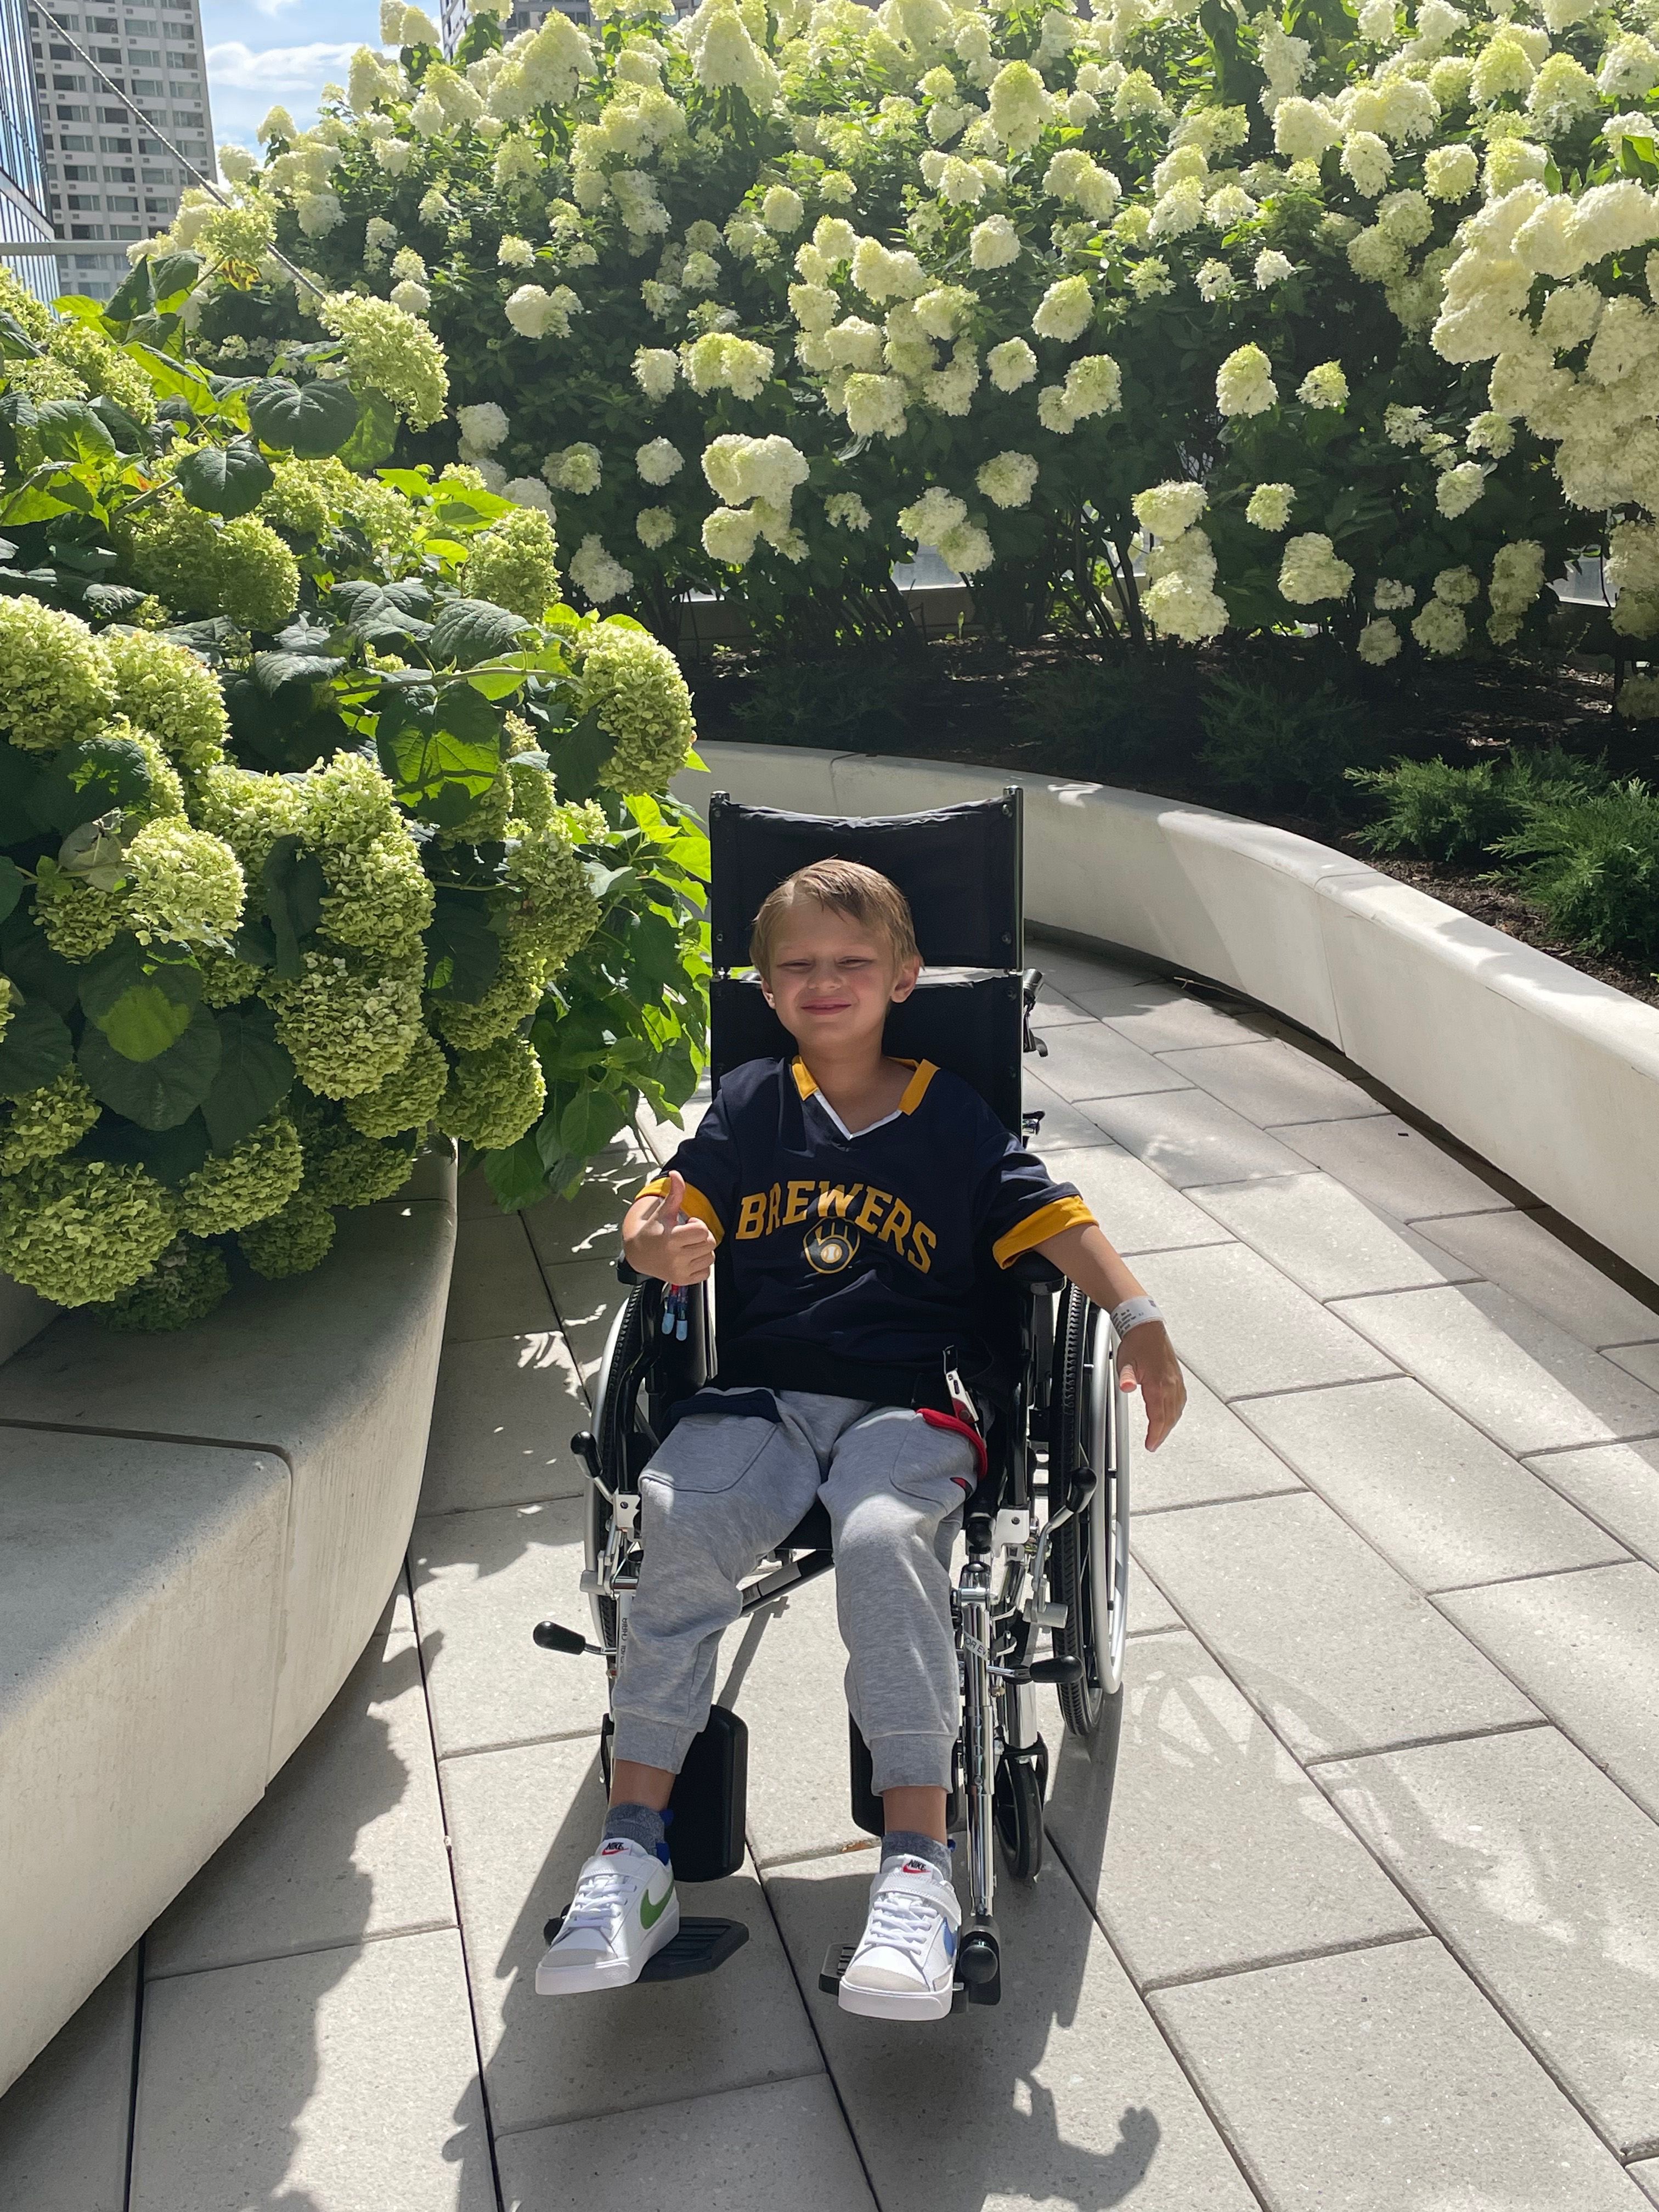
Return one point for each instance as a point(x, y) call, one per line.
point(1146, 1358)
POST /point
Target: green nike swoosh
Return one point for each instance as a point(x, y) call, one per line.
point(651, 1914)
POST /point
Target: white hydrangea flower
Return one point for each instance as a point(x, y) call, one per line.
point(1075, 177)
point(730, 536)
point(1459, 489)
point(1065, 311)
point(658, 461)
point(1008, 479)
point(933, 516)
point(1450, 173)
point(1054, 413)
point(766, 469)
point(1269, 505)
point(846, 511)
point(1460, 585)
point(1245, 383)
point(1272, 268)
point(1367, 161)
point(875, 406)
point(594, 572)
point(527, 491)
point(1094, 386)
point(1378, 642)
point(1311, 571)
point(1638, 697)
point(1324, 386)
point(1167, 509)
point(1391, 595)
point(484, 427)
point(575, 469)
point(1010, 364)
point(854, 342)
point(653, 526)
point(1229, 207)
point(882, 275)
point(701, 272)
point(966, 550)
point(656, 370)
point(515, 253)
point(1303, 129)
point(414, 299)
point(1441, 627)
point(535, 313)
point(782, 209)
point(1215, 281)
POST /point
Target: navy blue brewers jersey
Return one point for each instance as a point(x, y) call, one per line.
point(853, 1261)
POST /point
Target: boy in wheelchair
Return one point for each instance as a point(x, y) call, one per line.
point(860, 1195)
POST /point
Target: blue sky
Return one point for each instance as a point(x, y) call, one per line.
point(262, 52)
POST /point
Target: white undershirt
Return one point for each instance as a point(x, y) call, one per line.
point(818, 1099)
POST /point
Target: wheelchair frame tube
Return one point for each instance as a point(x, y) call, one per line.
point(979, 1728)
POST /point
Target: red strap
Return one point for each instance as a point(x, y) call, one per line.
point(938, 1420)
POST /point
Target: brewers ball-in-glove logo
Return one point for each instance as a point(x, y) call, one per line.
point(829, 1246)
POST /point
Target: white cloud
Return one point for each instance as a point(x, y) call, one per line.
point(244, 80)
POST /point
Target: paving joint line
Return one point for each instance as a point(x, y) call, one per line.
point(1627, 1559)
point(1198, 1975)
point(811, 1857)
point(305, 1950)
point(1307, 1390)
point(518, 1743)
point(132, 2084)
point(651, 2105)
point(1425, 1742)
point(1596, 1443)
point(1232, 1498)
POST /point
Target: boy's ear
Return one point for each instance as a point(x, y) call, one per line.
point(906, 980)
point(766, 989)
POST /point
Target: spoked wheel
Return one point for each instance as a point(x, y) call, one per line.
point(623, 1356)
point(1089, 1558)
point(1017, 1808)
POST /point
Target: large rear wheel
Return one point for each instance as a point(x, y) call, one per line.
point(1089, 1558)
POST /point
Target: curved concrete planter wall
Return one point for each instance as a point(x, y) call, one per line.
point(1550, 1076)
point(198, 1535)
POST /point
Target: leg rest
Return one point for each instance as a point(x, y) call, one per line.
point(700, 1947)
point(839, 1957)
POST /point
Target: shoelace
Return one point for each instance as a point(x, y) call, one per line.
point(600, 1899)
point(904, 1919)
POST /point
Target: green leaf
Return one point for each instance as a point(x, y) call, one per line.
point(309, 421)
point(576, 761)
point(11, 886)
point(134, 298)
point(170, 1155)
point(70, 431)
point(172, 278)
point(228, 480)
point(375, 435)
point(255, 1074)
point(590, 1121)
point(271, 671)
point(142, 999)
point(16, 343)
point(463, 951)
point(35, 1048)
point(471, 630)
point(158, 1093)
point(84, 782)
point(291, 890)
point(440, 771)
point(97, 851)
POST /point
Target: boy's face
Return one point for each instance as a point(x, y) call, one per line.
point(832, 979)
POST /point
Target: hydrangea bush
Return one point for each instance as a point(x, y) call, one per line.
point(326, 823)
point(1173, 318)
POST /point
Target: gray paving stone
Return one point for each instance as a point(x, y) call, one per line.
point(745, 2150)
point(1189, 1138)
point(1394, 1166)
point(336, 2081)
point(1053, 1010)
point(589, 1225)
point(1071, 970)
point(64, 2122)
point(1323, 1237)
point(783, 1671)
point(1515, 1375)
point(1209, 1455)
point(1586, 1647)
point(1269, 1081)
point(1221, 1853)
point(588, 1298)
point(347, 1841)
point(502, 1418)
point(1544, 1879)
point(497, 1288)
point(1137, 1209)
point(1149, 1612)
point(521, 1823)
point(1619, 1484)
point(1243, 1326)
point(1519, 1253)
point(1064, 2094)
point(1381, 2081)
point(1091, 1061)
point(1158, 1018)
point(1641, 1360)
point(1437, 1499)
point(474, 1196)
point(1646, 2177)
point(481, 1582)
point(1340, 1653)
point(1063, 1126)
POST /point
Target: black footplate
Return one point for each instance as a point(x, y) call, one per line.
point(700, 1947)
point(839, 1957)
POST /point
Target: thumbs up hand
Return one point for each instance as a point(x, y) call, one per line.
point(660, 1239)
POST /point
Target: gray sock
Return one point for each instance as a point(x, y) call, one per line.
point(911, 1844)
point(640, 1824)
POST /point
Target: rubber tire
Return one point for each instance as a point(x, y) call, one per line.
point(1082, 1705)
point(615, 1407)
point(1016, 1809)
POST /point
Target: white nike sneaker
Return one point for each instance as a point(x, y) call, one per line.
point(625, 1909)
point(905, 1965)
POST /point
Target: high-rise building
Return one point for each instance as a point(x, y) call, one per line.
point(109, 179)
point(23, 214)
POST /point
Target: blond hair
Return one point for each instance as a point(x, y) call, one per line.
point(844, 887)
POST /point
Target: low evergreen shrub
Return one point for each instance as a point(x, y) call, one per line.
point(1591, 861)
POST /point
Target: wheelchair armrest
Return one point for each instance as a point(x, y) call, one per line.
point(625, 1274)
point(1041, 1275)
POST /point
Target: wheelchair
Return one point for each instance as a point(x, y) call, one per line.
point(1044, 1545)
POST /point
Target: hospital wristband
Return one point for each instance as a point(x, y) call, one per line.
point(1130, 1314)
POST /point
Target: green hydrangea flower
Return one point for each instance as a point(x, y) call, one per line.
point(11, 999)
point(184, 1286)
point(494, 1096)
point(46, 380)
point(56, 681)
point(250, 811)
point(347, 1023)
point(43, 1124)
point(344, 1167)
point(79, 920)
point(81, 1230)
point(291, 1242)
point(559, 911)
point(169, 691)
point(298, 503)
point(240, 569)
point(534, 795)
point(35, 315)
point(635, 688)
point(514, 563)
point(512, 997)
point(406, 1099)
point(379, 897)
point(255, 1178)
point(486, 823)
point(242, 231)
point(225, 980)
point(103, 368)
point(186, 886)
point(390, 352)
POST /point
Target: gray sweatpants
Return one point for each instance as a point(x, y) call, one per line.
point(723, 1489)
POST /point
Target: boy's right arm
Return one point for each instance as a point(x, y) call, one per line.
point(659, 1240)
